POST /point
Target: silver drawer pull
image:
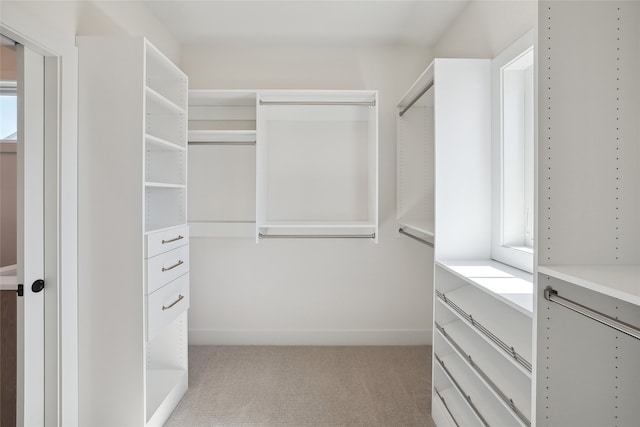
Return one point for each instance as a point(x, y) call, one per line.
point(180, 298)
point(179, 263)
point(164, 242)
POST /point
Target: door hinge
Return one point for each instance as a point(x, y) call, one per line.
point(20, 290)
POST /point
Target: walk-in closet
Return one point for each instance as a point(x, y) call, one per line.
point(320, 213)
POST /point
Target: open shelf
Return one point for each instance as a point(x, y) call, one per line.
point(503, 329)
point(487, 404)
point(506, 381)
point(164, 77)
point(317, 162)
point(456, 407)
point(163, 185)
point(153, 143)
point(509, 285)
point(161, 385)
point(618, 281)
point(160, 104)
point(222, 136)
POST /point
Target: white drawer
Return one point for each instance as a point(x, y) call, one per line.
point(165, 240)
point(165, 304)
point(168, 266)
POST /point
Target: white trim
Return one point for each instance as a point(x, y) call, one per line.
point(506, 254)
point(310, 337)
point(47, 41)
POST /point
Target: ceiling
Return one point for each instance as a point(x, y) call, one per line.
point(360, 22)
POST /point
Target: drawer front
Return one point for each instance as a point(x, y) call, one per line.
point(165, 240)
point(168, 266)
point(165, 304)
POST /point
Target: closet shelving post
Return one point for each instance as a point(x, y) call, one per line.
point(588, 210)
point(222, 163)
point(317, 164)
point(133, 241)
point(482, 340)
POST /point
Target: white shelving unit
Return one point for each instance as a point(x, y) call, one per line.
point(483, 310)
point(222, 160)
point(415, 157)
point(317, 164)
point(133, 239)
point(588, 210)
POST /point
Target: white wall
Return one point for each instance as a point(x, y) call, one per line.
point(485, 28)
point(313, 291)
point(52, 26)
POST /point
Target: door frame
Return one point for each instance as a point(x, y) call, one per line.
point(52, 142)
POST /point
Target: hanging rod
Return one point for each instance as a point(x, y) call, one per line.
point(222, 143)
point(423, 241)
point(551, 295)
point(317, 236)
point(418, 96)
point(364, 103)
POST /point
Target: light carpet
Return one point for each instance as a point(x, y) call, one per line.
point(307, 386)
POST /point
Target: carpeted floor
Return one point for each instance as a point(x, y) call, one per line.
point(306, 386)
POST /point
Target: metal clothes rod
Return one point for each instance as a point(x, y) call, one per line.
point(222, 143)
point(422, 92)
point(363, 103)
point(423, 241)
point(317, 236)
point(551, 295)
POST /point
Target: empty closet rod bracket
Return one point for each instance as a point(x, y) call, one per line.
point(416, 238)
point(317, 236)
point(551, 295)
point(356, 103)
point(222, 143)
point(414, 100)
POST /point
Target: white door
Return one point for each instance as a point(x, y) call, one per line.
point(30, 357)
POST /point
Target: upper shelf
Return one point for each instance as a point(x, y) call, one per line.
point(418, 88)
point(617, 281)
point(222, 136)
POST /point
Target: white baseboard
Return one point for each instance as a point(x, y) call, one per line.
point(310, 337)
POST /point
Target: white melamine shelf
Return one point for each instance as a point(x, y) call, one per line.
point(425, 80)
point(617, 281)
point(512, 328)
point(458, 407)
point(222, 229)
point(419, 228)
point(486, 403)
point(164, 229)
point(206, 97)
point(162, 101)
point(223, 136)
point(509, 285)
point(163, 185)
point(317, 224)
point(153, 143)
point(160, 384)
point(513, 383)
